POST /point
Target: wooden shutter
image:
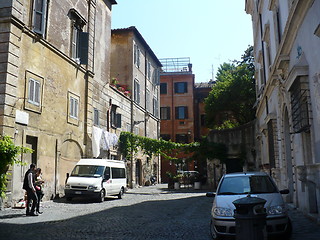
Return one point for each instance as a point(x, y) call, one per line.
point(185, 112)
point(83, 47)
point(39, 16)
point(118, 120)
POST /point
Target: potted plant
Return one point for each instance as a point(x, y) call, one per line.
point(170, 180)
point(197, 182)
point(177, 178)
point(114, 81)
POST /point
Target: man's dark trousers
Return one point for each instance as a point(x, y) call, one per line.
point(32, 196)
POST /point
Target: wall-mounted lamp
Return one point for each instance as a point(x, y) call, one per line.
point(137, 122)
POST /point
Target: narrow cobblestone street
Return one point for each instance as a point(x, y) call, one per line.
point(144, 213)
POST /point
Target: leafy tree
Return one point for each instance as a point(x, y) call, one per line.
point(8, 156)
point(231, 100)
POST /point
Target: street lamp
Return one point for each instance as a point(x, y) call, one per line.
point(137, 122)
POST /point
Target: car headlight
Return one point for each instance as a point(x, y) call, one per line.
point(223, 212)
point(91, 187)
point(67, 186)
point(276, 210)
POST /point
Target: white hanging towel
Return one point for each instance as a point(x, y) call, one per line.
point(96, 138)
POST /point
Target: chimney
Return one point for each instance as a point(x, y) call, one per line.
point(190, 67)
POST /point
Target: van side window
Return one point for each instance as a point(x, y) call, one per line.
point(107, 173)
point(118, 173)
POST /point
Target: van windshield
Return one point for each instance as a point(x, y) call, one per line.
point(246, 184)
point(87, 171)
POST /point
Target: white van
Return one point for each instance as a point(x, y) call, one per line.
point(96, 178)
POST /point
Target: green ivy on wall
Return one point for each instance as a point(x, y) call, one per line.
point(8, 157)
point(130, 144)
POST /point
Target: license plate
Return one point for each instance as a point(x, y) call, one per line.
point(78, 192)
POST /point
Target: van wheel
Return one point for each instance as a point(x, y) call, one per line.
point(213, 232)
point(121, 193)
point(101, 196)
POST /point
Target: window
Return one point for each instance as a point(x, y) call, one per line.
point(163, 88)
point(34, 92)
point(165, 113)
point(118, 173)
point(79, 39)
point(155, 107)
point(115, 117)
point(73, 107)
point(182, 138)
point(39, 16)
point(148, 71)
point(165, 137)
point(96, 117)
point(148, 101)
point(180, 87)
point(136, 56)
point(181, 112)
point(271, 145)
point(300, 105)
point(136, 91)
point(156, 77)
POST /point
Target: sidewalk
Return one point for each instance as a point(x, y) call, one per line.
point(302, 226)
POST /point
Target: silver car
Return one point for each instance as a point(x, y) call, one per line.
point(234, 186)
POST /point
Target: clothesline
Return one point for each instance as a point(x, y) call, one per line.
point(102, 139)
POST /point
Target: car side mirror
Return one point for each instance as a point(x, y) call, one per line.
point(284, 191)
point(211, 194)
point(106, 177)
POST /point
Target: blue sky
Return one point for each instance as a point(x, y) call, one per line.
point(210, 32)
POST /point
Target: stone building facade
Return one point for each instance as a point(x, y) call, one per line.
point(286, 38)
point(54, 80)
point(135, 69)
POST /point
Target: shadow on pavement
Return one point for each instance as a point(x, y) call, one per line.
point(186, 218)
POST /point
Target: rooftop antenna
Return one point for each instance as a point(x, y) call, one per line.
point(212, 73)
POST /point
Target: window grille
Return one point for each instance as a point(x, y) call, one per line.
point(300, 106)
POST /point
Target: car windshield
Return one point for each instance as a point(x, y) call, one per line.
point(246, 184)
point(87, 171)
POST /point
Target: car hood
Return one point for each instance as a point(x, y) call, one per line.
point(84, 181)
point(225, 201)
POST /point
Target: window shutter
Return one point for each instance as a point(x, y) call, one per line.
point(185, 87)
point(138, 92)
point(31, 89)
point(37, 92)
point(39, 16)
point(168, 113)
point(177, 112)
point(118, 120)
point(135, 54)
point(75, 108)
point(138, 58)
point(83, 47)
point(175, 87)
point(185, 112)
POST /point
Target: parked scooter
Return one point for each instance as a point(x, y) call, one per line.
point(153, 180)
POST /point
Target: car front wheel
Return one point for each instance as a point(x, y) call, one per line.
point(101, 196)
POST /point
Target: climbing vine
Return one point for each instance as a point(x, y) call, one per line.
point(8, 156)
point(130, 144)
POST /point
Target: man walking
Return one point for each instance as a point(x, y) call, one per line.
point(28, 185)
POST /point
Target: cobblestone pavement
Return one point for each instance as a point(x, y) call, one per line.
point(144, 213)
